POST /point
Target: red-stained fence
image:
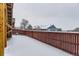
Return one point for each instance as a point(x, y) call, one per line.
point(64, 40)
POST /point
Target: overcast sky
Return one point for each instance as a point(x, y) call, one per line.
point(65, 16)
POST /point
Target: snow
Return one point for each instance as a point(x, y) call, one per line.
point(20, 45)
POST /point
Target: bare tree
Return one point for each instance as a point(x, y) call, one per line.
point(29, 27)
point(37, 27)
point(24, 23)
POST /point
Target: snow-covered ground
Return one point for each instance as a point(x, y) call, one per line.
point(20, 45)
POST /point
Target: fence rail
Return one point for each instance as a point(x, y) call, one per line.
point(66, 41)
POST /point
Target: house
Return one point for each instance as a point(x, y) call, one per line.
point(74, 30)
point(50, 28)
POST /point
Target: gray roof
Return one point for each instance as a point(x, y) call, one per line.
point(52, 26)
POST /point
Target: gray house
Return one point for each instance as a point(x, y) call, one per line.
point(50, 28)
point(53, 28)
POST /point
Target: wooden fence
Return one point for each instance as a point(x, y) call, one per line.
point(63, 40)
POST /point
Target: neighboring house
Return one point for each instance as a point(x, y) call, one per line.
point(53, 28)
point(75, 30)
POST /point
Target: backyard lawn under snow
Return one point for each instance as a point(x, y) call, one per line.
point(20, 45)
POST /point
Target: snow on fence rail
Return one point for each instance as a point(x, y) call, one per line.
point(66, 41)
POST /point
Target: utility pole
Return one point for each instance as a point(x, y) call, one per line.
point(3, 30)
point(5, 23)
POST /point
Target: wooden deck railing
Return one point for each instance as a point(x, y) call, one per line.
point(63, 40)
